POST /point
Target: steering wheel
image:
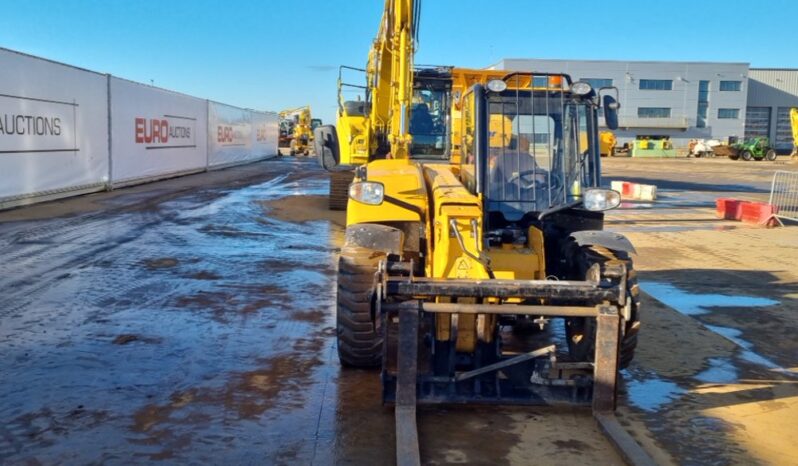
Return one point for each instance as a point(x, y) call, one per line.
point(530, 178)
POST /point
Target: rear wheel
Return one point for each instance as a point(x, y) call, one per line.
point(359, 344)
point(581, 332)
point(746, 155)
point(770, 155)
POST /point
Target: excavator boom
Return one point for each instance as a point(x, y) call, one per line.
point(390, 74)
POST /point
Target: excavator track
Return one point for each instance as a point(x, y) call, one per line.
point(339, 189)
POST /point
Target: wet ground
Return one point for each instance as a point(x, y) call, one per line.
point(191, 321)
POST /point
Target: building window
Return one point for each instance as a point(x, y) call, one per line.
point(656, 85)
point(598, 83)
point(729, 113)
point(703, 104)
point(654, 112)
point(730, 85)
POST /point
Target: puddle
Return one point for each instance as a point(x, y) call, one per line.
point(747, 349)
point(635, 205)
point(649, 392)
point(720, 370)
point(671, 228)
point(693, 304)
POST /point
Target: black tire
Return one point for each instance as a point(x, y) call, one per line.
point(581, 332)
point(359, 344)
point(770, 155)
point(746, 155)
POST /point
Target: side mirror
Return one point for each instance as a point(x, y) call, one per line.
point(611, 107)
point(325, 143)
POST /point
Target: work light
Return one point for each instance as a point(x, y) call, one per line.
point(581, 88)
point(496, 85)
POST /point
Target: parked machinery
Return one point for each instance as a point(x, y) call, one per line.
point(757, 148)
point(699, 148)
point(607, 143)
point(441, 257)
point(296, 129)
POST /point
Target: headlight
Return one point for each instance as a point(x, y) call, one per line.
point(367, 192)
point(601, 199)
point(581, 88)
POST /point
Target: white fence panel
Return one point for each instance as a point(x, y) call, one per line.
point(265, 132)
point(155, 133)
point(229, 135)
point(784, 195)
point(53, 129)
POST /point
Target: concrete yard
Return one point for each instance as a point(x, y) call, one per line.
point(192, 321)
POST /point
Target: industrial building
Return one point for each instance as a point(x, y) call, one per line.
point(771, 94)
point(681, 101)
point(677, 101)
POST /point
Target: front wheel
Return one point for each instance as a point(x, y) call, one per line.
point(359, 343)
point(747, 156)
point(580, 332)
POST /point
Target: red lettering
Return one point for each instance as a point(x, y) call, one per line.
point(224, 134)
point(148, 134)
point(155, 130)
point(164, 131)
point(140, 125)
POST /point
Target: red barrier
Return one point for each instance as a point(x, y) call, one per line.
point(729, 209)
point(760, 213)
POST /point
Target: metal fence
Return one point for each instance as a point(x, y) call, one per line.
point(784, 195)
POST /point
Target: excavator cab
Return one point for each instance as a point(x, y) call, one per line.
point(430, 112)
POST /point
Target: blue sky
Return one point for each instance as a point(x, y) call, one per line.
point(271, 55)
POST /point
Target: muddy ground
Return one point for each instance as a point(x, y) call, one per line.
point(191, 321)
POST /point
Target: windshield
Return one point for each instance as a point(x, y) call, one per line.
point(537, 157)
point(428, 116)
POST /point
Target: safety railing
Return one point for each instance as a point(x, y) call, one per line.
point(784, 196)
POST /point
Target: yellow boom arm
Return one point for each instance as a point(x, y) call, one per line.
point(390, 75)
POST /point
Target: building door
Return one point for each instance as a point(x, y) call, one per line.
point(783, 141)
point(757, 122)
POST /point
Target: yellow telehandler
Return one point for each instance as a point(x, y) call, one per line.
point(477, 270)
point(296, 129)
